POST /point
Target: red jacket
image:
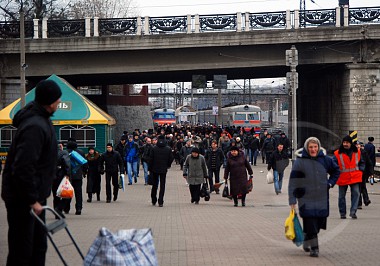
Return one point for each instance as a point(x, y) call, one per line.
point(349, 168)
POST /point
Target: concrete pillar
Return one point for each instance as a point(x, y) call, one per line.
point(337, 17)
point(87, 26)
point(238, 21)
point(345, 24)
point(247, 28)
point(362, 95)
point(288, 20)
point(196, 23)
point(139, 26)
point(296, 19)
point(96, 27)
point(146, 26)
point(35, 27)
point(44, 28)
point(189, 24)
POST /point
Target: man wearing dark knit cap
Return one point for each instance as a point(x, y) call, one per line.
point(28, 175)
point(351, 166)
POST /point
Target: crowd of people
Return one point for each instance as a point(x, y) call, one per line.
point(200, 151)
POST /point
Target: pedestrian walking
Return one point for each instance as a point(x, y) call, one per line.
point(113, 166)
point(28, 175)
point(351, 166)
point(309, 187)
point(93, 174)
point(214, 160)
point(131, 159)
point(236, 170)
point(368, 172)
point(195, 171)
point(161, 158)
point(278, 162)
point(76, 179)
point(63, 171)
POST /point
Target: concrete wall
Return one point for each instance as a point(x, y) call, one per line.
point(362, 92)
point(9, 91)
point(334, 100)
point(129, 118)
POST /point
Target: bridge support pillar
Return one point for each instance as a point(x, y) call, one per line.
point(337, 99)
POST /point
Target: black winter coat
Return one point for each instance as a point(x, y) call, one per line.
point(278, 161)
point(112, 161)
point(161, 157)
point(76, 174)
point(219, 158)
point(63, 164)
point(309, 185)
point(32, 158)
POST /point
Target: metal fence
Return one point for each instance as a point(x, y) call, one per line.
point(95, 27)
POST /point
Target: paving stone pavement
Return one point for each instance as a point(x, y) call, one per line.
point(215, 232)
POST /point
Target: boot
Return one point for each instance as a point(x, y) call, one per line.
point(89, 197)
point(314, 252)
point(98, 196)
point(235, 201)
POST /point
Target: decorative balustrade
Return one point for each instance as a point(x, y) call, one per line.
point(211, 23)
point(117, 26)
point(364, 15)
point(94, 27)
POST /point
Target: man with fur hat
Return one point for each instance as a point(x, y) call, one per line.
point(351, 165)
point(28, 175)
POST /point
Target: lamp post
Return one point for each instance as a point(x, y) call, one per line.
point(292, 81)
point(22, 56)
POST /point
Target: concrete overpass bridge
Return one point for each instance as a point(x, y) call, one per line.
point(338, 50)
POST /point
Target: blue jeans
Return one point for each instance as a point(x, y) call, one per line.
point(277, 178)
point(248, 156)
point(253, 158)
point(354, 198)
point(146, 173)
point(132, 166)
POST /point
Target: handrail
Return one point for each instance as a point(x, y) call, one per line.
point(188, 24)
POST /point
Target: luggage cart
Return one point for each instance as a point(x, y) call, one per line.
point(54, 227)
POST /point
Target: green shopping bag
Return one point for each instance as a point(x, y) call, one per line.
point(298, 240)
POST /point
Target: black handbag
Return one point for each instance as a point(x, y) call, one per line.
point(206, 191)
point(226, 192)
point(203, 191)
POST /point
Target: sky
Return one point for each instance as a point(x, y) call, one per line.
point(157, 8)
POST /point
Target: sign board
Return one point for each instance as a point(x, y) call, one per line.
point(220, 82)
point(199, 82)
point(215, 110)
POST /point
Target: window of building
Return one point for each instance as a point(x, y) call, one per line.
point(84, 135)
point(7, 135)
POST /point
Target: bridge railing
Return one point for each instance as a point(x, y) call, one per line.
point(94, 27)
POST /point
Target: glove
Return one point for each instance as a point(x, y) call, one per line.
point(84, 175)
point(269, 167)
point(251, 176)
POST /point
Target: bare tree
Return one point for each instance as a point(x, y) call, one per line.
point(102, 8)
point(9, 9)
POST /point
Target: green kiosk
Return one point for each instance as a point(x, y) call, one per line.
point(76, 117)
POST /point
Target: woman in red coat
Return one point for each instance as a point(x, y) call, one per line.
point(236, 168)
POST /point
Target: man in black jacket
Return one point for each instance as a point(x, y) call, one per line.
point(114, 164)
point(214, 160)
point(76, 178)
point(28, 175)
point(161, 158)
point(63, 171)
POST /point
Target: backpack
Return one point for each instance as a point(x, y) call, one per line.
point(76, 161)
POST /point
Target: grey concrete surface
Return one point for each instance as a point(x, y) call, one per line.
point(215, 232)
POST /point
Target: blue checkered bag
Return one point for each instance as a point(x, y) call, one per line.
point(125, 247)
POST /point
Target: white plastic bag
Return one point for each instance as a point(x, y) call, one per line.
point(65, 189)
point(270, 177)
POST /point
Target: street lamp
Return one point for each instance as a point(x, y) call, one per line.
point(23, 66)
